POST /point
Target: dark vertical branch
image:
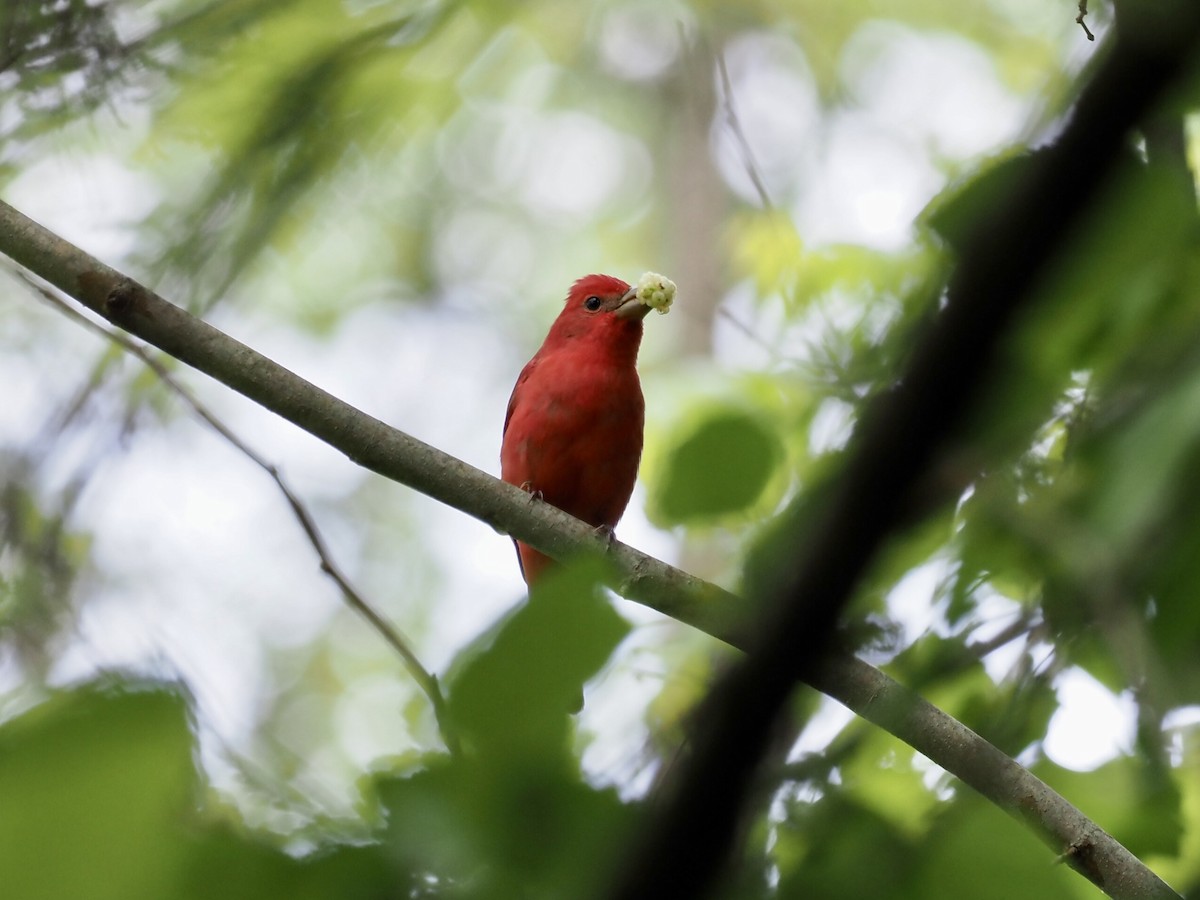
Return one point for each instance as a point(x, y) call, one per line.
point(683, 850)
point(696, 196)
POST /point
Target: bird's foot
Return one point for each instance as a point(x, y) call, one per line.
point(527, 487)
point(606, 532)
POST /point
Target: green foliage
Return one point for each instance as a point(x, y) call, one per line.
point(510, 698)
point(1140, 803)
point(102, 775)
point(960, 215)
point(1015, 864)
point(318, 160)
point(339, 82)
point(824, 848)
point(60, 58)
point(513, 816)
point(821, 857)
point(721, 467)
point(43, 561)
point(100, 791)
point(502, 828)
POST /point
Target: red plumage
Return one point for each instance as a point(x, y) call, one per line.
point(573, 431)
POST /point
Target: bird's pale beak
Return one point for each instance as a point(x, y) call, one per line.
point(631, 307)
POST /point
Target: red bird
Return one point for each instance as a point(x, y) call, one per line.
point(573, 431)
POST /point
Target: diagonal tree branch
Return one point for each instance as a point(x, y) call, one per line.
point(425, 680)
point(364, 439)
point(898, 439)
point(373, 444)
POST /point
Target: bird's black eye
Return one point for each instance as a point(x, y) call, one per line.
point(592, 303)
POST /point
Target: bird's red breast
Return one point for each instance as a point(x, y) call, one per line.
point(573, 431)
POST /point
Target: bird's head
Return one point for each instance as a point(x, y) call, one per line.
point(595, 295)
point(602, 307)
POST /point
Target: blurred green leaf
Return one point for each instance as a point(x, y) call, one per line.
point(1013, 717)
point(821, 848)
point(512, 697)
point(503, 827)
point(964, 209)
point(720, 467)
point(974, 850)
point(99, 792)
point(239, 866)
point(1182, 869)
point(882, 777)
point(1136, 802)
point(768, 249)
point(93, 786)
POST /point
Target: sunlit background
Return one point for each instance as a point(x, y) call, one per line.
point(397, 220)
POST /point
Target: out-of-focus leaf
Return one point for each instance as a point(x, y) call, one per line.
point(902, 557)
point(767, 248)
point(60, 60)
point(977, 851)
point(1181, 870)
point(339, 82)
point(236, 866)
point(1012, 715)
point(99, 793)
point(503, 827)
point(859, 270)
point(513, 697)
point(93, 786)
point(881, 777)
point(1118, 284)
point(1138, 803)
point(931, 659)
point(721, 467)
point(512, 815)
point(962, 210)
point(991, 547)
point(821, 849)
point(42, 562)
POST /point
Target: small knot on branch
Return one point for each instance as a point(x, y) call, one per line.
point(1081, 856)
point(119, 299)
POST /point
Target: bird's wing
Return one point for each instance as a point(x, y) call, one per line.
point(512, 400)
point(520, 562)
point(512, 403)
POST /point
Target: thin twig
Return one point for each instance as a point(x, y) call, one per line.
point(1083, 11)
point(1019, 626)
point(425, 680)
point(750, 333)
point(739, 136)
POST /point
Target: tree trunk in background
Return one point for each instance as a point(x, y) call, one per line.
point(697, 199)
